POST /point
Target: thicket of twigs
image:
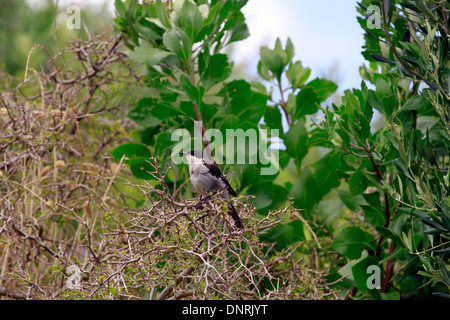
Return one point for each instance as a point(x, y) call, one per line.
point(69, 224)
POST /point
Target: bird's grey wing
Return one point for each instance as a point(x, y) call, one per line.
point(215, 171)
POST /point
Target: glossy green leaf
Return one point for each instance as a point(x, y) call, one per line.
point(164, 142)
point(162, 14)
point(323, 88)
point(271, 64)
point(415, 103)
point(351, 241)
point(296, 141)
point(272, 118)
point(297, 74)
point(267, 195)
point(363, 274)
point(213, 69)
point(306, 192)
point(131, 150)
point(357, 183)
point(142, 115)
point(389, 234)
point(444, 271)
point(140, 167)
point(148, 55)
point(177, 41)
point(325, 173)
point(191, 20)
point(120, 7)
point(307, 102)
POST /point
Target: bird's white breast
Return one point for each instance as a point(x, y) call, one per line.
point(201, 178)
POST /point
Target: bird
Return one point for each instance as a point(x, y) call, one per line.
point(207, 178)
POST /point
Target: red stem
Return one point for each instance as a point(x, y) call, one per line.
point(389, 268)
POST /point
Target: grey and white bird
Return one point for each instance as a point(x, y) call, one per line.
point(207, 178)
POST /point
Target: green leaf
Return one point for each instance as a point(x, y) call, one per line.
point(351, 241)
point(162, 14)
point(433, 224)
point(403, 168)
point(240, 32)
point(164, 142)
point(323, 88)
point(306, 192)
point(350, 202)
point(272, 118)
point(271, 64)
point(357, 183)
point(267, 196)
point(362, 274)
point(229, 122)
point(320, 137)
point(131, 150)
point(208, 112)
point(297, 75)
point(213, 69)
point(374, 215)
point(142, 114)
point(296, 141)
point(177, 41)
point(389, 234)
point(165, 111)
point(194, 93)
point(241, 101)
point(309, 98)
point(140, 168)
point(120, 7)
point(281, 235)
point(149, 112)
point(344, 136)
point(149, 56)
point(307, 102)
point(190, 20)
point(444, 271)
point(415, 103)
point(374, 102)
point(325, 173)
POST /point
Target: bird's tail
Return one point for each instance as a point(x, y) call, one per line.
point(232, 211)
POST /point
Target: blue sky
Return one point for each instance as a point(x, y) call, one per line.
point(324, 33)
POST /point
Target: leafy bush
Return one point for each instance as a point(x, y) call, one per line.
point(405, 161)
point(393, 179)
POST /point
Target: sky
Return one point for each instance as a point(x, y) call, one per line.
point(325, 34)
